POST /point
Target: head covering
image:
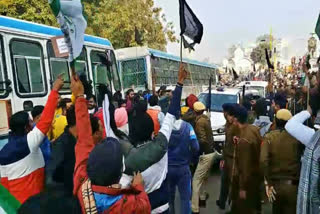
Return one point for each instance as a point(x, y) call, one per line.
point(105, 163)
point(261, 107)
point(284, 114)
point(280, 99)
point(121, 117)
point(199, 106)
point(241, 114)
point(227, 107)
point(191, 99)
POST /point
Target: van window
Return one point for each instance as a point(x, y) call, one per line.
point(115, 73)
point(28, 67)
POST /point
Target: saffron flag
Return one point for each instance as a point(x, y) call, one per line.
point(190, 25)
point(69, 14)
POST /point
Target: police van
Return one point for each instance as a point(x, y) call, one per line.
point(28, 66)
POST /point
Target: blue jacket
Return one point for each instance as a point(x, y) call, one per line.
point(183, 145)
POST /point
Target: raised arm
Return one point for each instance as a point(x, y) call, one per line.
point(85, 141)
point(36, 136)
point(299, 131)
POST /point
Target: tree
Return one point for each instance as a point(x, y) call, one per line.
point(123, 22)
point(258, 53)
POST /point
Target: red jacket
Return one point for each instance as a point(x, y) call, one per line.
point(134, 200)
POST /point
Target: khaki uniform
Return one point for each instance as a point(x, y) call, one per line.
point(246, 172)
point(228, 150)
point(280, 162)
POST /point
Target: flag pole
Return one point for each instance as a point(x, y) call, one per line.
point(181, 49)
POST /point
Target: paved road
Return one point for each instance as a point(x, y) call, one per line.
point(213, 188)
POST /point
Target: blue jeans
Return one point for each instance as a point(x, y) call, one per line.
point(180, 176)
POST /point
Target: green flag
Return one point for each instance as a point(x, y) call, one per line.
point(318, 27)
point(8, 203)
point(73, 24)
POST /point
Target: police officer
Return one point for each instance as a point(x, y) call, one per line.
point(280, 162)
point(246, 177)
point(226, 164)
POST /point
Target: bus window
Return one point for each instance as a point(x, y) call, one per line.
point(2, 70)
point(59, 66)
point(28, 67)
point(115, 73)
point(133, 72)
point(81, 65)
point(99, 68)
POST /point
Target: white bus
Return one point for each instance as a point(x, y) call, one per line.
point(28, 65)
point(137, 66)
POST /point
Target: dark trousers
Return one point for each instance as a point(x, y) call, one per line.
point(224, 187)
point(180, 176)
point(286, 199)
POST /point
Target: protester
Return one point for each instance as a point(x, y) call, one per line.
point(154, 111)
point(262, 121)
point(21, 160)
point(46, 144)
point(280, 162)
point(121, 118)
point(96, 185)
point(59, 121)
point(308, 191)
point(207, 154)
point(228, 154)
point(92, 105)
point(190, 115)
point(61, 167)
point(164, 98)
point(141, 125)
point(183, 151)
point(246, 174)
point(129, 98)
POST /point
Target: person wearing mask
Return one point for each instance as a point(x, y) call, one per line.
point(46, 144)
point(207, 154)
point(190, 115)
point(228, 153)
point(21, 160)
point(154, 111)
point(280, 163)
point(183, 150)
point(97, 186)
point(92, 105)
point(308, 190)
point(262, 121)
point(246, 179)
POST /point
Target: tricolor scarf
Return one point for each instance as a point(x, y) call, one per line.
point(69, 14)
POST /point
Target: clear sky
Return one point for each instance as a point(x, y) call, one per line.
point(228, 22)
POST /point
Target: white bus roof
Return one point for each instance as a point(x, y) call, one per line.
point(254, 83)
point(139, 52)
point(12, 24)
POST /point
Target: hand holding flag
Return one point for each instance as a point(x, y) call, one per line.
point(69, 14)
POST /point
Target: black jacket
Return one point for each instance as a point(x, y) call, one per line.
point(61, 166)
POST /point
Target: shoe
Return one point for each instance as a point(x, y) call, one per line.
point(221, 206)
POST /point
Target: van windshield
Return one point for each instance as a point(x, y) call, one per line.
point(217, 100)
point(260, 90)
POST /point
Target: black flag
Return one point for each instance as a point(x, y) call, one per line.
point(190, 25)
point(270, 66)
point(235, 75)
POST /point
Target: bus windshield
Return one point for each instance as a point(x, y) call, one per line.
point(217, 100)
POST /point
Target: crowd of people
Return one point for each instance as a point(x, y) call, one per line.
point(106, 154)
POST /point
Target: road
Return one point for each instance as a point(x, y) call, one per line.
point(213, 188)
